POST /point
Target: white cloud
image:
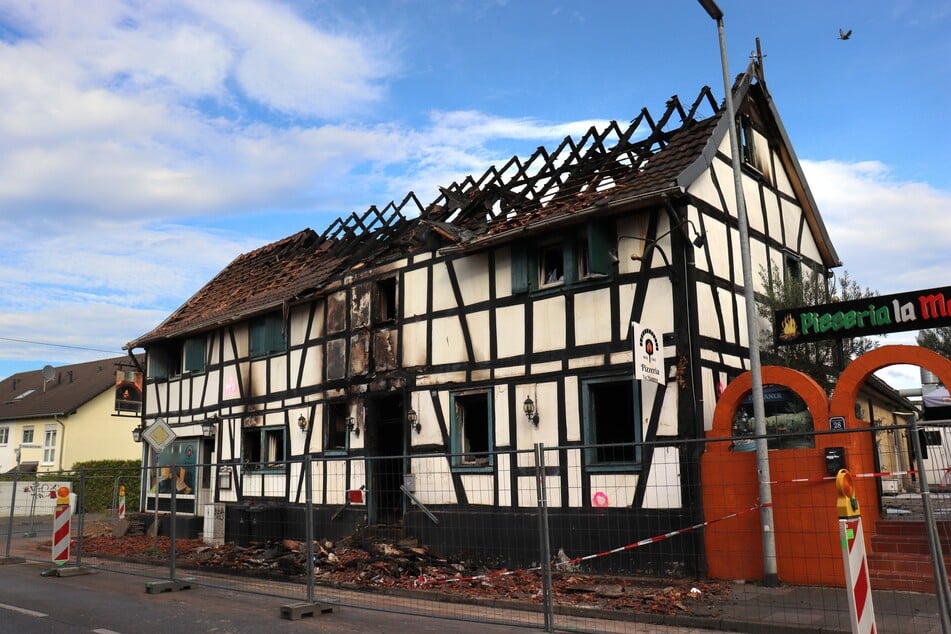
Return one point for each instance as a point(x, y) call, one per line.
point(891, 235)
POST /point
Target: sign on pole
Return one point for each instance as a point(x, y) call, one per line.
point(648, 354)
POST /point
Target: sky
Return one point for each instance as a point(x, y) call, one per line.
point(146, 144)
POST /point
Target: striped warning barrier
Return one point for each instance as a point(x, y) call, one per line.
point(857, 583)
point(121, 502)
point(61, 527)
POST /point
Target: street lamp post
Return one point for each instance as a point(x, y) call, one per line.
point(770, 577)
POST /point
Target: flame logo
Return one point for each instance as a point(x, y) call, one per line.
point(789, 331)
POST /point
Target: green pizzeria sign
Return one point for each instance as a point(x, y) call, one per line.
point(915, 310)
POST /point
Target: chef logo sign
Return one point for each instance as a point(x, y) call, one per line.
point(648, 355)
point(914, 310)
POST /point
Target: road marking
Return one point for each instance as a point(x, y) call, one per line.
point(102, 631)
point(14, 608)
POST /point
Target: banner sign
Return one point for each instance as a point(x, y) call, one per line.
point(915, 310)
point(648, 354)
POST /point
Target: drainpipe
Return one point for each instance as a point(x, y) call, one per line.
point(62, 444)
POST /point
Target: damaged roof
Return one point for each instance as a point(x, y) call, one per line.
point(605, 170)
point(30, 395)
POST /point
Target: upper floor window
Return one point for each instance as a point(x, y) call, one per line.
point(472, 431)
point(611, 422)
point(49, 444)
point(4, 435)
point(267, 336)
point(193, 353)
point(165, 361)
point(384, 301)
point(562, 262)
point(27, 438)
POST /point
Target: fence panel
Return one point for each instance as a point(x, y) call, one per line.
point(666, 532)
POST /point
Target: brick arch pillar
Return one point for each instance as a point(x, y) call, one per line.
point(856, 373)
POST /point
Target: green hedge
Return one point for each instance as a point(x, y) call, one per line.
point(101, 479)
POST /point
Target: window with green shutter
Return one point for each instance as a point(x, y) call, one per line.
point(267, 336)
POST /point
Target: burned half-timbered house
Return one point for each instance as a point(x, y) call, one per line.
point(423, 343)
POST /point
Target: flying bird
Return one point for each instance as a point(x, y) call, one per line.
point(844, 35)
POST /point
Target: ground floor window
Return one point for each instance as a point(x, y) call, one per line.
point(611, 422)
point(472, 430)
point(264, 447)
point(335, 426)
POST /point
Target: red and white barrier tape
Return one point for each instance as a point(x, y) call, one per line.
point(422, 580)
point(875, 474)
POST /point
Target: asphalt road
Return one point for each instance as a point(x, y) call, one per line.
point(106, 603)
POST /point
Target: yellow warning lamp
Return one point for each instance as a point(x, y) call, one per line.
point(847, 504)
point(122, 490)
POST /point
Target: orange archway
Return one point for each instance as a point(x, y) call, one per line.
point(804, 513)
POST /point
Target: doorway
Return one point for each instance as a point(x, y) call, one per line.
point(385, 442)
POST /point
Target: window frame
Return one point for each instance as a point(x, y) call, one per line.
point(386, 300)
point(194, 354)
point(266, 336)
point(594, 462)
point(332, 412)
point(49, 445)
point(4, 435)
point(264, 462)
point(23, 439)
point(589, 257)
point(458, 435)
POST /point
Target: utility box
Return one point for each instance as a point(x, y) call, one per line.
point(835, 460)
point(213, 530)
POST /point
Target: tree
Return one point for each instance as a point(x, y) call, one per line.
point(822, 360)
point(937, 339)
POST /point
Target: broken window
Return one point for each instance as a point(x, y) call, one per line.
point(611, 421)
point(267, 336)
point(335, 426)
point(165, 361)
point(384, 309)
point(551, 264)
point(264, 447)
point(471, 429)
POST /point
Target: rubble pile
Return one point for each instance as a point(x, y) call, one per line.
point(405, 565)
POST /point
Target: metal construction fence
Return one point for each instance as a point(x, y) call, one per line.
point(667, 533)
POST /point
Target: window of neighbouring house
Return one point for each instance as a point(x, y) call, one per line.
point(49, 444)
point(4, 435)
point(193, 352)
point(27, 438)
point(471, 429)
point(611, 422)
point(550, 263)
point(267, 336)
point(335, 426)
point(264, 447)
point(384, 301)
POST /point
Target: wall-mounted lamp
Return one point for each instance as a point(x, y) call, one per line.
point(208, 427)
point(302, 422)
point(413, 420)
point(529, 408)
point(352, 426)
point(137, 434)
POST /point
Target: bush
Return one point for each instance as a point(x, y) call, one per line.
point(101, 479)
